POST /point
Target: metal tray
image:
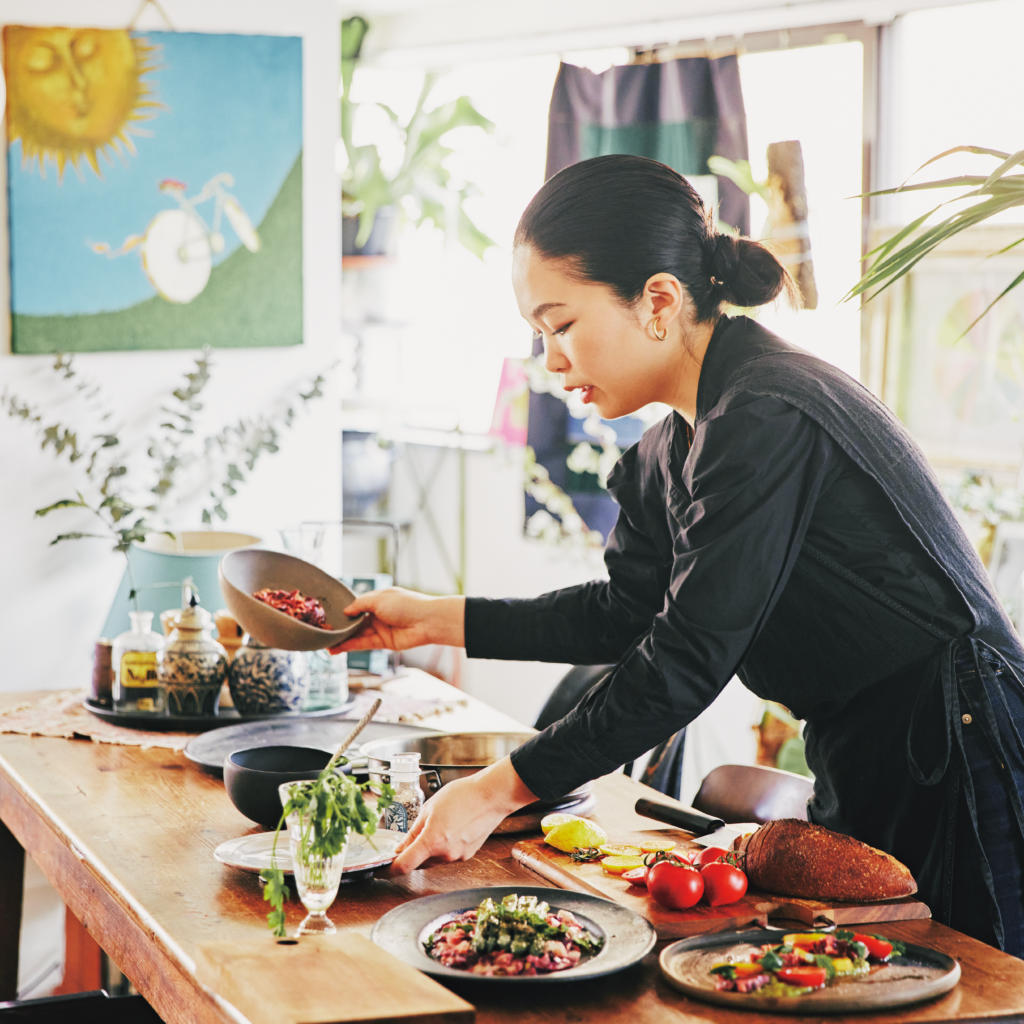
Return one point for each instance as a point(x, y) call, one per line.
point(209, 749)
point(201, 723)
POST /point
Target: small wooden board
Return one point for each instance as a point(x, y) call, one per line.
point(755, 907)
point(325, 980)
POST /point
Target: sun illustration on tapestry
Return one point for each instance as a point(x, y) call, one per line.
point(74, 93)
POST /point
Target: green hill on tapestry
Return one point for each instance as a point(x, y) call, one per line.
point(252, 299)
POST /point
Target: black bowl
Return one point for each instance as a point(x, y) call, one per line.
point(252, 777)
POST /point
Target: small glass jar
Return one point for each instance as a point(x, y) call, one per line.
point(193, 666)
point(405, 779)
point(134, 658)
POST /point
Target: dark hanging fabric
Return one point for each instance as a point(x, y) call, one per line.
point(680, 113)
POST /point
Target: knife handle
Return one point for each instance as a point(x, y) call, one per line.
point(687, 818)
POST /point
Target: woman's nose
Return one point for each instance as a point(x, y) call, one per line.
point(555, 360)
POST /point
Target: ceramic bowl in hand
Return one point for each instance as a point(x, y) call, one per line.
point(244, 572)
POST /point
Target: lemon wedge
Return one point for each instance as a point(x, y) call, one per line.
point(620, 865)
point(550, 821)
point(578, 834)
point(656, 845)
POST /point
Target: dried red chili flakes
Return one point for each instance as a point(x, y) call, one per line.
point(295, 604)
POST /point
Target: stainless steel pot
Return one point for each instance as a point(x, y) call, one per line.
point(446, 756)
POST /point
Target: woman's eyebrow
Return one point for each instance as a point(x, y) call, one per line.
point(544, 307)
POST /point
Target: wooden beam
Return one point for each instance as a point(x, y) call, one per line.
point(82, 959)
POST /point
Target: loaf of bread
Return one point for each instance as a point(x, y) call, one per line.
point(795, 858)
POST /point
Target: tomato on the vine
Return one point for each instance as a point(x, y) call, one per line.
point(674, 884)
point(723, 883)
point(709, 855)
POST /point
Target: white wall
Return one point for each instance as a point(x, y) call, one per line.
point(54, 600)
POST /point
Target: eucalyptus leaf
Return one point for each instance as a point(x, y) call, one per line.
point(64, 503)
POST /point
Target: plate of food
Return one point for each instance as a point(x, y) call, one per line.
point(842, 971)
point(286, 602)
point(514, 935)
point(252, 853)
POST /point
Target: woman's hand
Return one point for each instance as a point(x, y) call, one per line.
point(457, 819)
point(400, 619)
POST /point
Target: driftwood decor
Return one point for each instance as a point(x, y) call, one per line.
point(790, 238)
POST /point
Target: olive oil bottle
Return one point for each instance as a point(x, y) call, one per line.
point(136, 687)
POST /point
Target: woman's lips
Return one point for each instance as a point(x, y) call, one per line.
point(586, 392)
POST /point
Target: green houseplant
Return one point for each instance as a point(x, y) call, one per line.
point(993, 193)
point(421, 188)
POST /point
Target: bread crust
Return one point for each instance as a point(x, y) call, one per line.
point(795, 858)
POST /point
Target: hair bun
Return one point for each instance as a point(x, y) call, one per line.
point(745, 273)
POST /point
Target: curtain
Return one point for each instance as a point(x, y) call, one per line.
point(680, 113)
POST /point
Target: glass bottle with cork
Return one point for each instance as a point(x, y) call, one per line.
point(405, 778)
point(134, 657)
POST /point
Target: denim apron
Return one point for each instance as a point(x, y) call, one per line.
point(980, 762)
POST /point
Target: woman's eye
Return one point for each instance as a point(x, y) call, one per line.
point(562, 330)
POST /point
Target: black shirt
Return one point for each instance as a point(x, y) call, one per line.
point(698, 587)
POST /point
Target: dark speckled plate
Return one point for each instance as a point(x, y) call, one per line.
point(918, 975)
point(628, 936)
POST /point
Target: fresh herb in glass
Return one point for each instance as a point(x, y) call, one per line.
point(327, 809)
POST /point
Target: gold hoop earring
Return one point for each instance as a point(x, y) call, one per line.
point(660, 337)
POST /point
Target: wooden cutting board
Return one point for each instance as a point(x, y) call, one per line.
point(755, 907)
point(329, 979)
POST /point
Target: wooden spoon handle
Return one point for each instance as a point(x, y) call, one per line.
point(363, 722)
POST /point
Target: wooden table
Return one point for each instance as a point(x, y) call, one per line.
point(126, 836)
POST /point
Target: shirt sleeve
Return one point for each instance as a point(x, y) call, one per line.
point(594, 623)
point(740, 506)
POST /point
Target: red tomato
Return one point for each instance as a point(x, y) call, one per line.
point(662, 855)
point(805, 977)
point(723, 883)
point(675, 885)
point(637, 876)
point(876, 948)
point(709, 855)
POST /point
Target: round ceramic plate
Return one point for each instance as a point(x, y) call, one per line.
point(918, 975)
point(252, 853)
point(628, 937)
point(202, 723)
point(209, 749)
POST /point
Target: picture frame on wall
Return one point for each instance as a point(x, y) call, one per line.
point(154, 188)
point(958, 388)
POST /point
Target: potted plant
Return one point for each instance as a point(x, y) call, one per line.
point(374, 201)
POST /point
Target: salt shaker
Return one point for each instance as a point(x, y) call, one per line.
point(405, 778)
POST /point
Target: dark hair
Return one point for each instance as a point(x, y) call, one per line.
point(618, 220)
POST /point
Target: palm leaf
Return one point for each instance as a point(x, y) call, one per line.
point(1009, 288)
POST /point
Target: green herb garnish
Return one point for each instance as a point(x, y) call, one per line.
point(771, 961)
point(585, 854)
point(328, 809)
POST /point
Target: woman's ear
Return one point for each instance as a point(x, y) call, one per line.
point(664, 301)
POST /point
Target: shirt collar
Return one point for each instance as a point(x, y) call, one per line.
point(720, 358)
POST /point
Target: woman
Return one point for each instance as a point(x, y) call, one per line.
point(781, 525)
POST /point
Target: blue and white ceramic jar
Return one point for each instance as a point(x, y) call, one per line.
point(267, 680)
point(192, 667)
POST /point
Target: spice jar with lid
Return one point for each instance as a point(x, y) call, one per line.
point(267, 680)
point(405, 778)
point(134, 659)
point(193, 666)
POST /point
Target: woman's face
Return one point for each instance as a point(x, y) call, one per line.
point(600, 347)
